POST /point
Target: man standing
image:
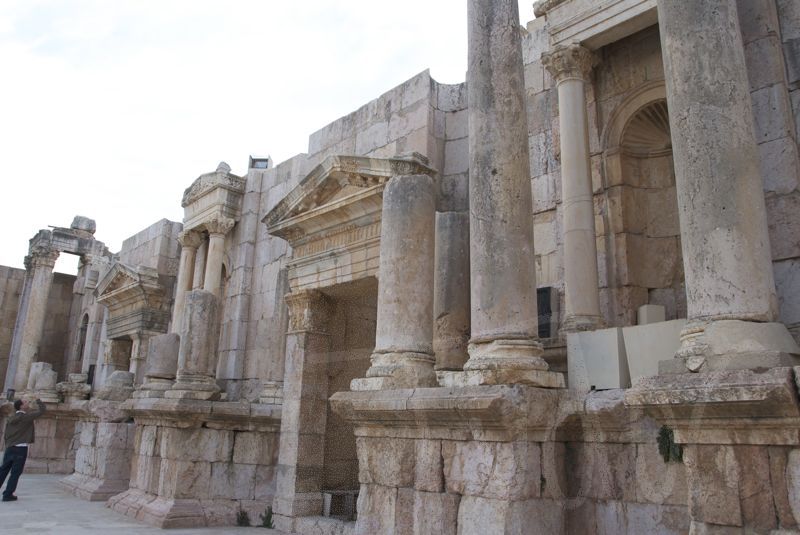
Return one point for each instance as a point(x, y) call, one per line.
point(19, 434)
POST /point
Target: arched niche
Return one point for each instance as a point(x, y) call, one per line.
point(643, 231)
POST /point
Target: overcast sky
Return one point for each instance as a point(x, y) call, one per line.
point(110, 109)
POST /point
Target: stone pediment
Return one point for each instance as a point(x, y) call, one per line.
point(122, 283)
point(217, 195)
point(332, 219)
point(221, 178)
point(338, 178)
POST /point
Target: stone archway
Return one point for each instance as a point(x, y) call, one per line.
point(646, 264)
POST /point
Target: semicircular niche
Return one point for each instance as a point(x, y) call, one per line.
point(648, 130)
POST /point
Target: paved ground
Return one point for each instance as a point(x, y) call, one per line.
point(43, 507)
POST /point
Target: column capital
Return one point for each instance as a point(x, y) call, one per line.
point(572, 61)
point(219, 225)
point(41, 257)
point(190, 239)
point(308, 311)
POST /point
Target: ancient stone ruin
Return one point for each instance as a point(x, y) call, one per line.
point(562, 297)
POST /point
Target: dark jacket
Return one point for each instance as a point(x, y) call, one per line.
point(19, 428)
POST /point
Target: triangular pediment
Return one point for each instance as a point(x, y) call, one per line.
point(122, 278)
point(339, 177)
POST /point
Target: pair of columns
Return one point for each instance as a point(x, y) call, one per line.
point(731, 298)
point(203, 270)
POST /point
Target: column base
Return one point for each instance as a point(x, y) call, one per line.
point(732, 345)
point(579, 323)
point(515, 361)
point(397, 370)
point(194, 387)
point(154, 387)
point(538, 378)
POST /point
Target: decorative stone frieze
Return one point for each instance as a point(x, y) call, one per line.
point(217, 194)
point(309, 311)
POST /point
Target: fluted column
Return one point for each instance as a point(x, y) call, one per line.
point(190, 240)
point(217, 229)
point(570, 66)
point(39, 265)
point(732, 305)
point(504, 346)
point(403, 355)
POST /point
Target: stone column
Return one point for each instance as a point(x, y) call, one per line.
point(304, 416)
point(190, 241)
point(451, 308)
point(197, 353)
point(39, 267)
point(200, 265)
point(162, 366)
point(570, 67)
point(217, 229)
point(403, 355)
point(504, 346)
point(732, 305)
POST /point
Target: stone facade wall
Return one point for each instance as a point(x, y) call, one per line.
point(56, 334)
point(11, 281)
point(156, 247)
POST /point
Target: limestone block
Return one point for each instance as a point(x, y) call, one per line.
point(456, 156)
point(661, 212)
point(787, 283)
point(435, 513)
point(778, 460)
point(264, 488)
point(407, 120)
point(784, 225)
point(713, 476)
point(793, 482)
point(600, 471)
point(771, 111)
point(646, 314)
point(457, 124)
point(661, 519)
point(647, 345)
point(162, 359)
point(369, 139)
point(232, 481)
point(779, 166)
point(386, 461)
point(498, 470)
point(546, 192)
point(757, 18)
point(764, 62)
point(184, 479)
point(597, 360)
point(553, 470)
point(755, 490)
point(479, 516)
point(658, 482)
point(428, 466)
point(211, 445)
point(378, 510)
point(255, 448)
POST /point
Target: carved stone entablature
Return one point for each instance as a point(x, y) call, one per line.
point(78, 239)
point(136, 300)
point(213, 195)
point(219, 225)
point(569, 61)
point(332, 219)
point(595, 23)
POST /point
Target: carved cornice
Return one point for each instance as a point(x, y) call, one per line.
point(219, 225)
point(308, 311)
point(221, 178)
point(541, 7)
point(567, 62)
point(190, 239)
point(42, 258)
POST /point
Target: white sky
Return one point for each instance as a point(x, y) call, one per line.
point(111, 108)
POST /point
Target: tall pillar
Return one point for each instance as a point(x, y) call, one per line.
point(217, 229)
point(200, 264)
point(39, 266)
point(451, 308)
point(197, 352)
point(190, 241)
point(304, 416)
point(504, 346)
point(403, 355)
point(730, 291)
point(570, 67)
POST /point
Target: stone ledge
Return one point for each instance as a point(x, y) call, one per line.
point(194, 413)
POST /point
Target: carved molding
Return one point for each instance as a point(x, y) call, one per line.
point(308, 311)
point(571, 61)
point(221, 178)
point(42, 258)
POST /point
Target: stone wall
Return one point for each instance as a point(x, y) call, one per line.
point(56, 333)
point(11, 280)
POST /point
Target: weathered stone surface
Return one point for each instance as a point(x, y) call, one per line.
point(385, 461)
point(714, 479)
point(506, 471)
